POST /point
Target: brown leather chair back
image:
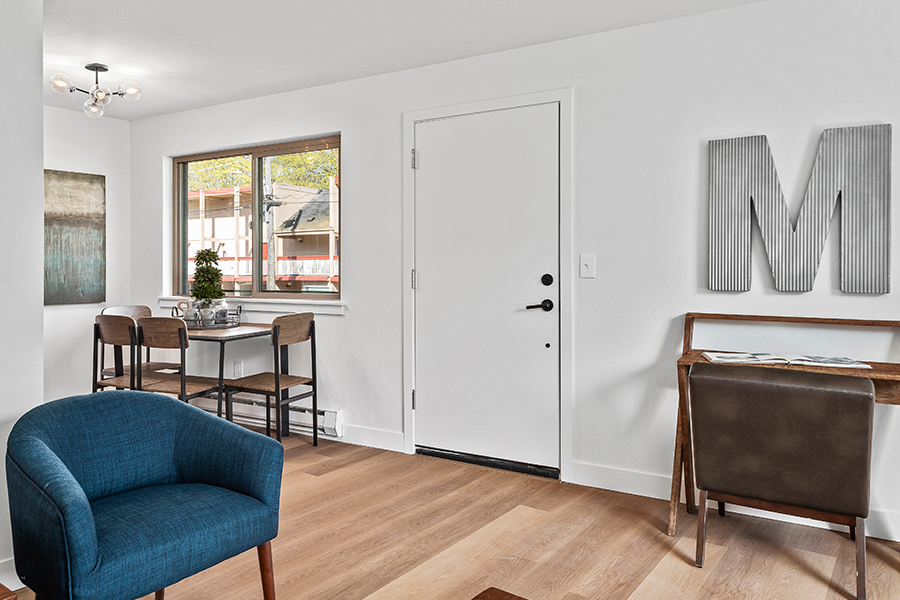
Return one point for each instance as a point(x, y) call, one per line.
point(785, 436)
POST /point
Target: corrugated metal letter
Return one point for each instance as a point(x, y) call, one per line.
point(852, 169)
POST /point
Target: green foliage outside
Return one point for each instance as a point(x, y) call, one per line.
point(309, 169)
point(207, 276)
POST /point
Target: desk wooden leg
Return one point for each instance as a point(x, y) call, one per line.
point(676, 482)
point(684, 459)
point(687, 451)
point(687, 458)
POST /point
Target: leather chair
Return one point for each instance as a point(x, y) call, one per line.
point(112, 503)
point(788, 441)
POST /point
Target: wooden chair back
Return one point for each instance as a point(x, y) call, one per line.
point(292, 329)
point(135, 311)
point(163, 332)
point(115, 330)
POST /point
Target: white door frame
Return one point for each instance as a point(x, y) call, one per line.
point(567, 259)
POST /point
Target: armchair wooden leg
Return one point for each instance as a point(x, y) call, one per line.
point(160, 594)
point(860, 559)
point(701, 529)
point(266, 570)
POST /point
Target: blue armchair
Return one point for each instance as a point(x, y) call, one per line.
point(118, 494)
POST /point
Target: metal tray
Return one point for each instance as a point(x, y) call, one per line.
point(232, 320)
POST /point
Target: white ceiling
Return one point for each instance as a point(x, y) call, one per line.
point(187, 54)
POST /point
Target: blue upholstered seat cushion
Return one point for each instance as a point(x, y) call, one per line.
point(152, 537)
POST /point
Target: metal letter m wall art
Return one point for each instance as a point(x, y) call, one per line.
point(852, 170)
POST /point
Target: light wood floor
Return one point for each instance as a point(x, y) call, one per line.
point(365, 524)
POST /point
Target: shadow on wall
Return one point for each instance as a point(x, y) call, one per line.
point(651, 418)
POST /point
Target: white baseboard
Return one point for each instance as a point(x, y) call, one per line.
point(373, 438)
point(8, 575)
point(620, 480)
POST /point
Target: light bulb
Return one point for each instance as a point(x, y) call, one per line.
point(130, 91)
point(92, 109)
point(100, 94)
point(61, 83)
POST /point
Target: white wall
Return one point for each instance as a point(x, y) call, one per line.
point(73, 142)
point(21, 244)
point(647, 100)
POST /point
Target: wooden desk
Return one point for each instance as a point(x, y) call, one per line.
point(885, 377)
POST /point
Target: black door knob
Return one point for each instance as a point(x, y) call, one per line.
point(546, 305)
point(547, 279)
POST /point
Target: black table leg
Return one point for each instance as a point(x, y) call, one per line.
point(285, 409)
point(221, 376)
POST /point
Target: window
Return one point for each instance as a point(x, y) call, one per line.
point(272, 213)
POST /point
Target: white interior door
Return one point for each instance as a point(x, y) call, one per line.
point(486, 368)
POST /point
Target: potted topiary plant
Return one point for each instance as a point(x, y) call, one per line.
point(207, 283)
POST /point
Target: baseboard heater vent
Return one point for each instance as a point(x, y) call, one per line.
point(251, 412)
point(487, 461)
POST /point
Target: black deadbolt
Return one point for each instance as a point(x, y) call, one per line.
point(547, 279)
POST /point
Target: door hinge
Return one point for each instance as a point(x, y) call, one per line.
point(413, 279)
point(414, 399)
point(412, 159)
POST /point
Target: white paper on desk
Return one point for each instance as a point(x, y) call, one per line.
point(765, 358)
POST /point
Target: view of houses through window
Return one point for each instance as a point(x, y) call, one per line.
point(272, 214)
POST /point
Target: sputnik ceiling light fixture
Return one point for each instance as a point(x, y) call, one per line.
point(100, 95)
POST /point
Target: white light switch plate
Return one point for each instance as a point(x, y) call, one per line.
point(587, 266)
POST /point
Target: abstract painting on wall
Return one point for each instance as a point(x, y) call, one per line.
point(74, 238)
